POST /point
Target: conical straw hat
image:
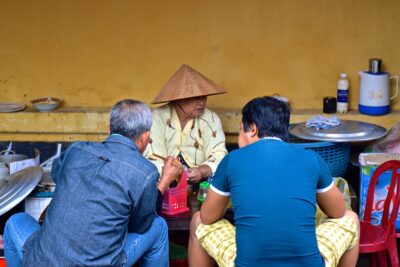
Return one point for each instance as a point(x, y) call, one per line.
point(186, 83)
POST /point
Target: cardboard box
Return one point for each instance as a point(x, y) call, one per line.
point(35, 203)
point(368, 163)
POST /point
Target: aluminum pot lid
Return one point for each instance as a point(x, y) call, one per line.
point(347, 131)
point(16, 187)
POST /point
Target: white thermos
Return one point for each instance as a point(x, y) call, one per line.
point(374, 97)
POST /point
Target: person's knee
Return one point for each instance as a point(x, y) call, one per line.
point(13, 219)
point(195, 222)
point(351, 214)
point(161, 224)
point(162, 228)
point(17, 216)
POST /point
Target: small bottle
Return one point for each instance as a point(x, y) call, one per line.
point(342, 94)
point(203, 192)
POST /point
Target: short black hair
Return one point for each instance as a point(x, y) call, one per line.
point(270, 115)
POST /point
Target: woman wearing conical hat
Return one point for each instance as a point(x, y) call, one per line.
point(185, 128)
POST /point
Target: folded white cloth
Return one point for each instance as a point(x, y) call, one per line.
point(320, 122)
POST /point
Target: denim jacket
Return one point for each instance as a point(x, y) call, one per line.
point(104, 190)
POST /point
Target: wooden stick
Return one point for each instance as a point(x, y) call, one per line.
point(158, 156)
point(175, 162)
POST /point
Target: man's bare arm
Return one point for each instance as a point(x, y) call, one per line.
point(213, 207)
point(332, 202)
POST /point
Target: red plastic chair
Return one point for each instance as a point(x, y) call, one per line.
point(379, 239)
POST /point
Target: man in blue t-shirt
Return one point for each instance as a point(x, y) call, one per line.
point(274, 187)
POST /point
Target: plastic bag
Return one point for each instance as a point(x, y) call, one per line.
point(390, 143)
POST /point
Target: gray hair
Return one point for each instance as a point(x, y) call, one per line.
point(130, 118)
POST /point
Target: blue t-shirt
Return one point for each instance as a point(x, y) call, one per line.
point(273, 186)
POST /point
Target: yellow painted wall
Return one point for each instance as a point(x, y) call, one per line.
point(94, 52)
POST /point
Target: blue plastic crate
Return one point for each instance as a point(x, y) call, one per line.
point(336, 155)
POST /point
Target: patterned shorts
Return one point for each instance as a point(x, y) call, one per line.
point(218, 239)
point(334, 236)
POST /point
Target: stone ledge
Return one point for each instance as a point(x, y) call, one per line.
point(70, 124)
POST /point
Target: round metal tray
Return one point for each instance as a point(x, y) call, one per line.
point(347, 131)
point(16, 187)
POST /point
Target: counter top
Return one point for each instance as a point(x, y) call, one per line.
point(68, 124)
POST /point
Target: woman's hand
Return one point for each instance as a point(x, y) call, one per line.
point(196, 174)
point(171, 171)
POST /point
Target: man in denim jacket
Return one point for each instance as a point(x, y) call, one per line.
point(104, 208)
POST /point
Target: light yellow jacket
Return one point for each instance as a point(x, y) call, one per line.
point(202, 141)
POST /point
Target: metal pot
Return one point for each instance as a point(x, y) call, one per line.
point(8, 156)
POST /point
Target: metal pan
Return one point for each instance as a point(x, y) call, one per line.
point(16, 187)
point(347, 131)
point(8, 156)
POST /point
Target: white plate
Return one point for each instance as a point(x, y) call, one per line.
point(11, 107)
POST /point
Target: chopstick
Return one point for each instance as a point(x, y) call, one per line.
point(158, 156)
point(175, 162)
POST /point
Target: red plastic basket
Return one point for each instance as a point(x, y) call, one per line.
point(175, 199)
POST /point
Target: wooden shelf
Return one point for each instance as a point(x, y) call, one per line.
point(70, 124)
point(65, 124)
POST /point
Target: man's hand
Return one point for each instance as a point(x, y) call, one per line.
point(195, 175)
point(172, 171)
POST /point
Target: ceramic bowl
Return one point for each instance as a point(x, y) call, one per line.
point(46, 104)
